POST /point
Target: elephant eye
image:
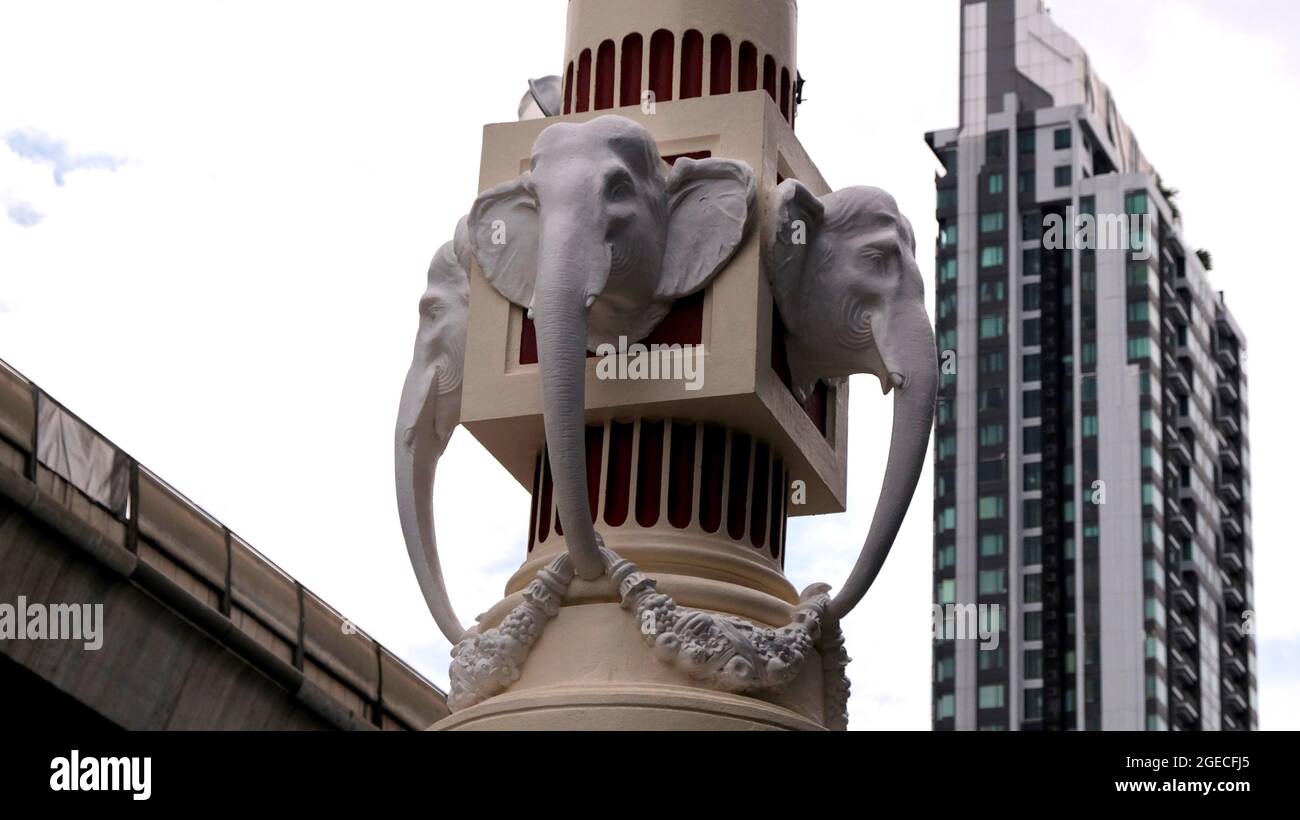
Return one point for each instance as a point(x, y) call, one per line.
point(618, 186)
point(872, 259)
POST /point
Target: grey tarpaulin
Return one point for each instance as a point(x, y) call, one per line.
point(71, 449)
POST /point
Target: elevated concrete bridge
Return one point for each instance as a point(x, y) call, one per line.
point(199, 630)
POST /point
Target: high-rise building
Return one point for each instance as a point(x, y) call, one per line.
point(1092, 456)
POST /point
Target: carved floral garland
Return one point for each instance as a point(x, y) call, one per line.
point(725, 652)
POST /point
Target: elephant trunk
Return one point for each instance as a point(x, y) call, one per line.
point(914, 377)
point(417, 449)
point(572, 256)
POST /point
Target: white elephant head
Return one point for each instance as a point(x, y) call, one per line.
point(428, 414)
point(844, 275)
point(597, 240)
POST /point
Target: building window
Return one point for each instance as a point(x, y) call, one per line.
point(1061, 176)
point(1138, 273)
point(992, 696)
point(995, 183)
point(997, 145)
point(1032, 548)
point(992, 544)
point(944, 305)
point(1032, 513)
point(1088, 353)
point(948, 270)
point(947, 447)
point(945, 670)
point(992, 222)
point(1033, 657)
point(1029, 296)
point(1061, 138)
point(993, 581)
point(1033, 704)
point(994, 361)
point(1026, 140)
point(946, 556)
point(1031, 229)
point(1033, 475)
point(1033, 439)
point(991, 506)
point(991, 469)
point(1025, 183)
point(1031, 367)
point(1135, 202)
point(945, 707)
point(1031, 332)
point(993, 291)
point(991, 435)
point(948, 235)
point(1150, 494)
point(1033, 404)
point(1137, 311)
point(947, 591)
point(1139, 348)
point(1089, 425)
point(943, 413)
point(945, 198)
point(992, 398)
point(1033, 626)
point(946, 520)
point(991, 256)
point(1088, 387)
point(992, 325)
point(991, 660)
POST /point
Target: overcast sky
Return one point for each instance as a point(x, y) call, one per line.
point(215, 220)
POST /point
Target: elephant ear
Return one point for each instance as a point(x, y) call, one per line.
point(709, 203)
point(503, 233)
point(796, 219)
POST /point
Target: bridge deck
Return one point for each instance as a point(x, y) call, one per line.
point(200, 631)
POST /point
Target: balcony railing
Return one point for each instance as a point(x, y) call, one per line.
point(1228, 424)
point(1231, 558)
point(1229, 490)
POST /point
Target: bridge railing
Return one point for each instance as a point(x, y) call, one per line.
point(176, 538)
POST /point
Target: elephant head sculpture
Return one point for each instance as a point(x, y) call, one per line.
point(428, 414)
point(597, 240)
point(844, 276)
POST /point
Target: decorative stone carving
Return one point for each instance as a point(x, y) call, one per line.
point(596, 263)
point(732, 653)
point(486, 663)
point(727, 653)
point(844, 277)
